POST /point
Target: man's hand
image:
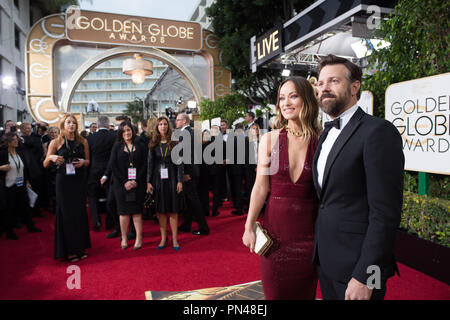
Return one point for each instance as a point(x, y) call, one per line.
point(357, 291)
point(187, 178)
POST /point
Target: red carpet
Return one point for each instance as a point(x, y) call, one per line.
point(28, 271)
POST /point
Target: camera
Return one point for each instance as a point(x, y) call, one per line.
point(13, 129)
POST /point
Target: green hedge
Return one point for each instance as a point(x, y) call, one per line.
point(426, 217)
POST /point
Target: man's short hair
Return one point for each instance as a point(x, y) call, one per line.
point(144, 123)
point(185, 117)
point(123, 118)
point(103, 122)
point(354, 71)
point(239, 125)
point(251, 114)
point(224, 120)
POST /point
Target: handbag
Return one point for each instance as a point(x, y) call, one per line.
point(149, 201)
point(263, 240)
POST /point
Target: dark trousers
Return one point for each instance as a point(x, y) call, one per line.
point(203, 190)
point(18, 209)
point(237, 190)
point(111, 213)
point(335, 290)
point(194, 207)
point(250, 177)
point(39, 186)
point(216, 189)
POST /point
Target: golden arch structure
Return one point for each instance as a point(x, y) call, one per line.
point(121, 36)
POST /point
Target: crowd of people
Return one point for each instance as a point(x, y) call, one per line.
point(330, 199)
point(117, 170)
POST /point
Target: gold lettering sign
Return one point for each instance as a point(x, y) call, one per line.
point(268, 46)
point(100, 27)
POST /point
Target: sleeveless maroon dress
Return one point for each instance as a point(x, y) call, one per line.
point(287, 270)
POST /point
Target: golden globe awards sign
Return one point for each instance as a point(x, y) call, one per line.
point(100, 27)
point(420, 109)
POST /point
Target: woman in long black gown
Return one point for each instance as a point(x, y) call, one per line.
point(70, 152)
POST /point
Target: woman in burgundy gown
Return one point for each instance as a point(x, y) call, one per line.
point(285, 175)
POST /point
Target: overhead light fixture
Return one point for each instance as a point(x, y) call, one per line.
point(138, 68)
point(286, 72)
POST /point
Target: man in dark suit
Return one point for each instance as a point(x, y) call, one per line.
point(237, 167)
point(34, 156)
point(358, 175)
point(191, 178)
point(100, 146)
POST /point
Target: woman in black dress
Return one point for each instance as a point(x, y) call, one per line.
point(70, 152)
point(129, 167)
point(164, 180)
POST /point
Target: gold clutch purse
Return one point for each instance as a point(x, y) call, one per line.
point(263, 241)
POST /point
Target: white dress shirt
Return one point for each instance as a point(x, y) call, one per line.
point(333, 134)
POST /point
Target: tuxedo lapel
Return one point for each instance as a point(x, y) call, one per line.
point(346, 133)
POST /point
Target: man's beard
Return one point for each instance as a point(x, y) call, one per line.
point(336, 107)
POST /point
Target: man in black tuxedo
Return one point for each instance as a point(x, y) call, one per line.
point(237, 167)
point(358, 175)
point(191, 178)
point(100, 146)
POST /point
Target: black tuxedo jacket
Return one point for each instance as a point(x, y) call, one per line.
point(100, 146)
point(191, 169)
point(360, 200)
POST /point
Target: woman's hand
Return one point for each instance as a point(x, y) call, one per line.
point(5, 167)
point(79, 163)
point(249, 238)
point(130, 185)
point(179, 187)
point(57, 159)
point(149, 188)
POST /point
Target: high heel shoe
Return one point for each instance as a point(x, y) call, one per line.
point(123, 246)
point(137, 247)
point(162, 247)
point(176, 248)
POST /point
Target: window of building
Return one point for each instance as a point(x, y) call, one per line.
point(19, 78)
point(17, 37)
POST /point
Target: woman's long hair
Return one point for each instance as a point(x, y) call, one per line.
point(62, 135)
point(309, 112)
point(156, 136)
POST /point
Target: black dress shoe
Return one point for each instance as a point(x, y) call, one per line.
point(238, 213)
point(201, 232)
point(33, 229)
point(184, 229)
point(97, 226)
point(11, 236)
point(114, 234)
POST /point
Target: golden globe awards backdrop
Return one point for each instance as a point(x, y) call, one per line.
point(420, 109)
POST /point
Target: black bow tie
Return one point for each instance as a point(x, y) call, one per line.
point(335, 123)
